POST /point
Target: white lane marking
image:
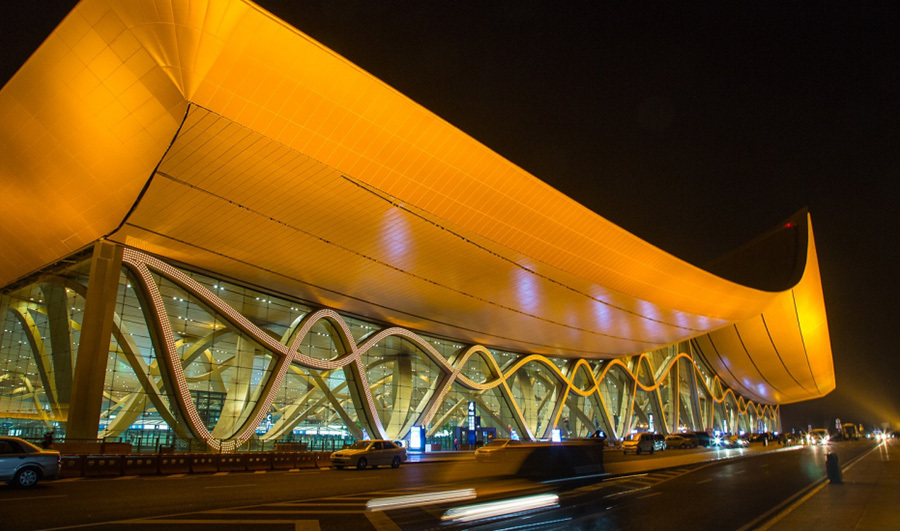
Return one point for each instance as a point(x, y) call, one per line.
point(381, 521)
point(231, 486)
point(704, 481)
point(623, 493)
point(35, 497)
point(299, 524)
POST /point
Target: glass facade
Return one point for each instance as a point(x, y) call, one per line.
point(196, 361)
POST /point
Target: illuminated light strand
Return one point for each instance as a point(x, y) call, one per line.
point(353, 353)
point(416, 500)
point(480, 511)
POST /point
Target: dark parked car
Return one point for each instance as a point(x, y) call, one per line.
point(762, 437)
point(692, 437)
point(704, 439)
point(23, 464)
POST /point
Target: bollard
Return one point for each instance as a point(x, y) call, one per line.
point(833, 468)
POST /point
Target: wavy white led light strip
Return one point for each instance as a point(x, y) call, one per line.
point(142, 264)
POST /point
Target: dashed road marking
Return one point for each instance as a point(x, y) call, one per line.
point(34, 497)
point(381, 521)
point(230, 486)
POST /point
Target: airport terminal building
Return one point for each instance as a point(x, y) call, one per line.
point(220, 233)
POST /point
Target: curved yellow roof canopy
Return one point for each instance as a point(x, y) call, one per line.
point(211, 133)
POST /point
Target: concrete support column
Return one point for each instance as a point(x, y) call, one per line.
point(674, 397)
point(59, 320)
point(93, 347)
point(696, 411)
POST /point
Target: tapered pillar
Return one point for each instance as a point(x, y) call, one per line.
point(93, 347)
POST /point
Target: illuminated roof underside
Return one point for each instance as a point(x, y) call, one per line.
point(214, 134)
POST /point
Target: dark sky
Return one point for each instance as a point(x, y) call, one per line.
point(696, 126)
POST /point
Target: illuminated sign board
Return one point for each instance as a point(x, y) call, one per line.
point(417, 439)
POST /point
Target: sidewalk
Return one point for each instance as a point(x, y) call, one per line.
point(868, 498)
point(442, 456)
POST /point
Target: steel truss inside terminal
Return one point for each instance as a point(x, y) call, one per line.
point(217, 362)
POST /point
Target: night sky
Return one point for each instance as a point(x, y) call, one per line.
point(696, 126)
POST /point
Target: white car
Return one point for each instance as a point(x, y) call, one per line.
point(369, 453)
point(643, 442)
point(23, 464)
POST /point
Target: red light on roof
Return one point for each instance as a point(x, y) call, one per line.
point(788, 225)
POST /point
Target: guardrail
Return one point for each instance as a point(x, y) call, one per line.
point(165, 463)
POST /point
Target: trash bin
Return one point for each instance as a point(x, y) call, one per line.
point(833, 468)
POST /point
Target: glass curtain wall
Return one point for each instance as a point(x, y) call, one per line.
point(261, 369)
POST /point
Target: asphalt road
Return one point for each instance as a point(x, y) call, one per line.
point(727, 494)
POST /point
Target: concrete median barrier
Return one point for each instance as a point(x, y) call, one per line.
point(71, 466)
point(174, 464)
point(323, 459)
point(259, 461)
point(102, 465)
point(542, 462)
point(305, 460)
point(140, 465)
point(232, 463)
point(204, 463)
point(284, 460)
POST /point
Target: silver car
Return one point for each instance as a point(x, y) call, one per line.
point(369, 453)
point(22, 464)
